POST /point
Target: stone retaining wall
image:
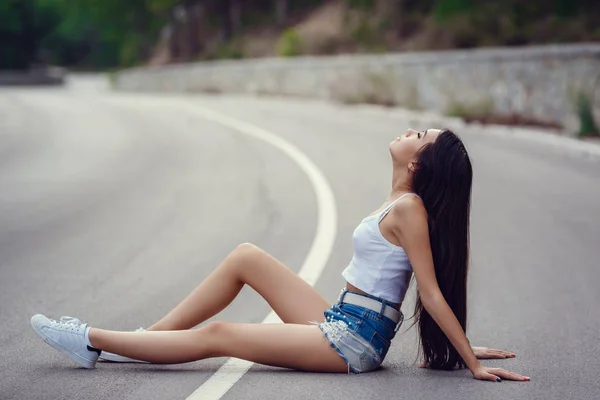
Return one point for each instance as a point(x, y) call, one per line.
point(538, 82)
point(34, 77)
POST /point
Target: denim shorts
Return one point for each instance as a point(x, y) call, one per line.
point(360, 335)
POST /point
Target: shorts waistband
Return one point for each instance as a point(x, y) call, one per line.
point(358, 299)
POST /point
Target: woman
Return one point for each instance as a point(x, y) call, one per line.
point(423, 229)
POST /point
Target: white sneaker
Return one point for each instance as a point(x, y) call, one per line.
point(68, 337)
point(106, 356)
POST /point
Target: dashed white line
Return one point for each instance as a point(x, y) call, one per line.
point(221, 381)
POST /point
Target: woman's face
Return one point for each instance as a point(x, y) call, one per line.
point(404, 148)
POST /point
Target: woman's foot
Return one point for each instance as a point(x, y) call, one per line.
point(69, 336)
point(106, 356)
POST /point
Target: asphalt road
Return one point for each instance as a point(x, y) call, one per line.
point(114, 206)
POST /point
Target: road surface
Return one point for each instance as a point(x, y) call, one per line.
point(114, 206)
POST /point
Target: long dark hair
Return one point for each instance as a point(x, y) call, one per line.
point(442, 178)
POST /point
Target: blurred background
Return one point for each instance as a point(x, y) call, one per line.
point(106, 34)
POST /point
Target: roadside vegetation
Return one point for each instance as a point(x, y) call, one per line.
point(90, 34)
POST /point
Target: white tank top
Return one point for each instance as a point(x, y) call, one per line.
point(378, 267)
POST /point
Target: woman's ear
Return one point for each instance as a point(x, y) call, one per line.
point(412, 166)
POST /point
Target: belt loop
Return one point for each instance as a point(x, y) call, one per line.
point(342, 294)
point(400, 320)
point(383, 306)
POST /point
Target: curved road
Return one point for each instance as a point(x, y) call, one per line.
point(114, 206)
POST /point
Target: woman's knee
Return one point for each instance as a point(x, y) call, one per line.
point(216, 327)
point(246, 252)
point(247, 247)
point(244, 259)
point(216, 333)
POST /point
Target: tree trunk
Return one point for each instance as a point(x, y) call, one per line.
point(236, 16)
point(224, 10)
point(281, 11)
point(140, 27)
point(28, 34)
point(231, 12)
point(195, 12)
point(174, 48)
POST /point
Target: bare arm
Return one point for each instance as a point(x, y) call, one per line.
point(411, 230)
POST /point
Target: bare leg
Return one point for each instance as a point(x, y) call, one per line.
point(294, 300)
point(295, 346)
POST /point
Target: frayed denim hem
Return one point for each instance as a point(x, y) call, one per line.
point(336, 348)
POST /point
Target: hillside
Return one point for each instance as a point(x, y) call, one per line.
point(371, 26)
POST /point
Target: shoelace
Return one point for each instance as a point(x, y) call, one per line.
point(67, 322)
point(70, 320)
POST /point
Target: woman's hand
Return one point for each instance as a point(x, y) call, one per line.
point(484, 353)
point(496, 374)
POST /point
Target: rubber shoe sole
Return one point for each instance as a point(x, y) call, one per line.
point(115, 358)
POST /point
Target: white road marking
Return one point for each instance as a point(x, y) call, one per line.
point(218, 384)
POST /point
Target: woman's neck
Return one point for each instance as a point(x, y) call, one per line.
point(401, 183)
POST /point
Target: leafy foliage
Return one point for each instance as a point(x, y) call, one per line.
point(99, 33)
point(289, 44)
point(587, 124)
point(110, 33)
